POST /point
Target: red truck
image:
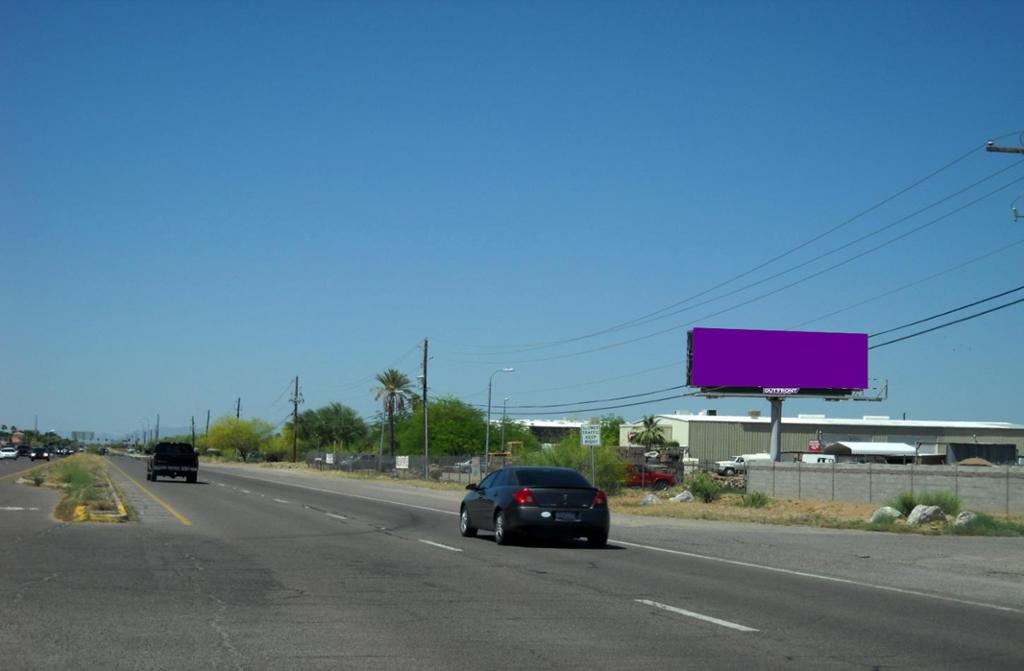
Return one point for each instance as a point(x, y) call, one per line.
point(645, 476)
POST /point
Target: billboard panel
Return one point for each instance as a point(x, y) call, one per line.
point(777, 362)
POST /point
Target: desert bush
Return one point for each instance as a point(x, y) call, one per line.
point(704, 487)
point(755, 500)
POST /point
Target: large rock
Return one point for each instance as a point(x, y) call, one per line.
point(683, 497)
point(886, 514)
point(964, 518)
point(922, 514)
point(650, 500)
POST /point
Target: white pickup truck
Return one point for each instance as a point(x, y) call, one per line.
point(738, 464)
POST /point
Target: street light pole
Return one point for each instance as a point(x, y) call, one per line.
point(487, 435)
point(504, 404)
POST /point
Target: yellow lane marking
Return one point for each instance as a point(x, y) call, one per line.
point(181, 518)
point(16, 473)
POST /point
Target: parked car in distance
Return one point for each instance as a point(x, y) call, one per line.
point(641, 475)
point(8, 453)
point(535, 500)
point(738, 464)
point(24, 451)
point(40, 453)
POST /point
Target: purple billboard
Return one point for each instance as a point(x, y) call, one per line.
point(777, 362)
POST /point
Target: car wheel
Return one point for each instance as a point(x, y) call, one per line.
point(661, 485)
point(465, 528)
point(501, 535)
point(598, 540)
point(192, 477)
point(730, 471)
point(152, 477)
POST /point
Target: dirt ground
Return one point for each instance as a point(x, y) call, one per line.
point(728, 508)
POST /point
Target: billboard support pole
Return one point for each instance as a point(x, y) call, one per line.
point(775, 440)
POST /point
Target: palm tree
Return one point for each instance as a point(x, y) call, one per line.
point(396, 391)
point(650, 434)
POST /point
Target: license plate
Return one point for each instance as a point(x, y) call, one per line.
point(566, 517)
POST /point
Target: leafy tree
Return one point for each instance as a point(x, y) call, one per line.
point(610, 430)
point(571, 454)
point(333, 424)
point(456, 428)
point(244, 436)
point(650, 434)
point(396, 392)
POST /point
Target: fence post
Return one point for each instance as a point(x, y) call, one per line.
point(1007, 490)
point(871, 485)
point(799, 480)
point(833, 481)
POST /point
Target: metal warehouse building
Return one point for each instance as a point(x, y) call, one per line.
point(710, 437)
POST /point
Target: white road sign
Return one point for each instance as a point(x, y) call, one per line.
point(591, 435)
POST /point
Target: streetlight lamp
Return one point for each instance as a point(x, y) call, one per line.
point(487, 439)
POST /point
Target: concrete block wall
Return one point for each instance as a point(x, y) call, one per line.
point(995, 490)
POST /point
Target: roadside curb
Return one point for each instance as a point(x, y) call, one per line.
point(83, 514)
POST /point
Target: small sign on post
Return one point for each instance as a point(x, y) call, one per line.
point(402, 462)
point(330, 458)
point(590, 436)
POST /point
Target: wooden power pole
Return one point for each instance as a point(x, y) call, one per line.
point(426, 424)
point(296, 399)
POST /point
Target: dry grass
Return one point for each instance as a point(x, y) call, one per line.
point(729, 508)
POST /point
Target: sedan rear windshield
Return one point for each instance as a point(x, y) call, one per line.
point(550, 477)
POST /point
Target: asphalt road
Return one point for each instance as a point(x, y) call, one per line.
point(251, 569)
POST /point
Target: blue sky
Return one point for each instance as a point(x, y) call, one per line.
point(199, 201)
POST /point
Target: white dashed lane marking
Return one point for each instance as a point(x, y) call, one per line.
point(439, 545)
point(696, 616)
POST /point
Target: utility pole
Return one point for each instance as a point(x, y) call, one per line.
point(207, 423)
point(426, 424)
point(157, 427)
point(193, 432)
point(296, 399)
point(238, 408)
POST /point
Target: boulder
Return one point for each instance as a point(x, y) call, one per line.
point(964, 518)
point(650, 500)
point(683, 497)
point(922, 514)
point(886, 514)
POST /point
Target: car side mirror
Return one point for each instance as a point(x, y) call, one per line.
point(472, 487)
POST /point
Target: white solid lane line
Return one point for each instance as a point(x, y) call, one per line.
point(439, 545)
point(815, 576)
point(12, 509)
point(337, 517)
point(280, 501)
point(696, 616)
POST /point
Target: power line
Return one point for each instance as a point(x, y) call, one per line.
point(657, 314)
point(942, 326)
point(909, 284)
point(767, 294)
point(598, 400)
point(948, 312)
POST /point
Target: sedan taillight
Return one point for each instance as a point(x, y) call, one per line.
point(523, 496)
point(600, 500)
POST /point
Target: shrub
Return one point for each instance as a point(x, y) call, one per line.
point(948, 501)
point(38, 479)
point(987, 525)
point(904, 503)
point(704, 487)
point(755, 500)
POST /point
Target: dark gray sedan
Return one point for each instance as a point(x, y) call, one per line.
point(535, 500)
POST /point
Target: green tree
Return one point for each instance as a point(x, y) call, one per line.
point(570, 453)
point(396, 392)
point(333, 424)
point(610, 430)
point(650, 434)
point(456, 428)
point(244, 436)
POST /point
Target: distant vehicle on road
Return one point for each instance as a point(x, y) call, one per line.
point(40, 453)
point(535, 500)
point(738, 464)
point(24, 451)
point(174, 460)
point(8, 453)
point(639, 475)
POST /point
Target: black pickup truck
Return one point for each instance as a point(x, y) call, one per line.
point(175, 460)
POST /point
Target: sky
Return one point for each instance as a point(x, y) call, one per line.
point(200, 201)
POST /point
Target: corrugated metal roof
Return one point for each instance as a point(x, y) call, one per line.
point(550, 423)
point(846, 421)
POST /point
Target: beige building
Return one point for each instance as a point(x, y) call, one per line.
point(710, 437)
